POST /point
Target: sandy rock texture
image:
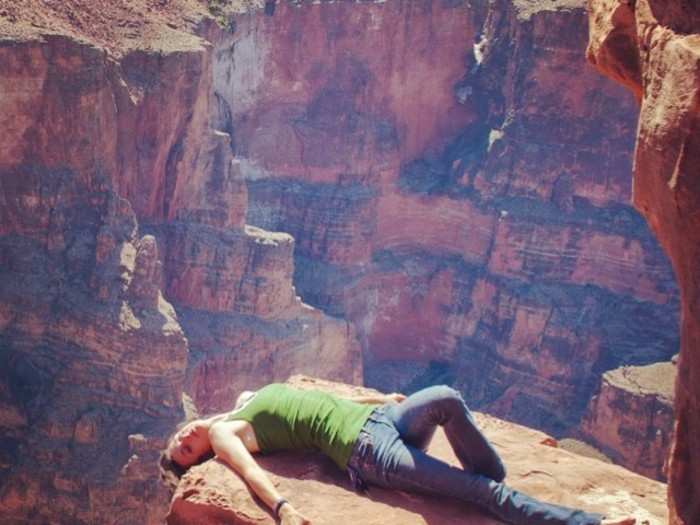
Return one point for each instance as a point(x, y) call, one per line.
point(118, 27)
point(631, 417)
point(457, 189)
point(212, 493)
point(654, 47)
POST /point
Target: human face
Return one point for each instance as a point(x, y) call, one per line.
point(190, 443)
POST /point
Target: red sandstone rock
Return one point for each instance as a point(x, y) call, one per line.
point(655, 48)
point(612, 262)
point(416, 167)
point(213, 493)
point(129, 109)
point(93, 353)
point(631, 418)
point(231, 352)
point(247, 271)
point(108, 132)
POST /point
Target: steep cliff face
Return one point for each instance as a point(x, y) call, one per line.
point(211, 493)
point(126, 269)
point(455, 189)
point(128, 274)
point(631, 417)
point(653, 48)
point(95, 358)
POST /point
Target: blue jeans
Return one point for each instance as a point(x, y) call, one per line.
point(390, 452)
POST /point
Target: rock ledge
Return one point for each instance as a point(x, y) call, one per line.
point(212, 493)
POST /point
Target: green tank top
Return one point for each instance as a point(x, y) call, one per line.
point(286, 418)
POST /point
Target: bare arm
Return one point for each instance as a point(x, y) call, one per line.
point(378, 399)
point(229, 448)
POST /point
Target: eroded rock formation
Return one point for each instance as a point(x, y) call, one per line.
point(213, 493)
point(95, 358)
point(457, 189)
point(127, 274)
point(631, 418)
point(653, 48)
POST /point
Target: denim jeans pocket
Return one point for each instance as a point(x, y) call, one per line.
point(379, 413)
point(365, 451)
point(361, 459)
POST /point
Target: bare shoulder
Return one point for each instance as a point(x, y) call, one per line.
point(243, 430)
point(233, 427)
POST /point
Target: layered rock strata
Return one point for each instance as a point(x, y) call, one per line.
point(232, 286)
point(653, 48)
point(631, 418)
point(127, 274)
point(213, 493)
point(456, 189)
point(94, 356)
point(107, 111)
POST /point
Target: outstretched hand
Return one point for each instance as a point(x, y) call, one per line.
point(395, 397)
point(291, 516)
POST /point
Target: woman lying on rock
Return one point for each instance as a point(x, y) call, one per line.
point(381, 445)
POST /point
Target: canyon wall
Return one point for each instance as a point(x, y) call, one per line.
point(442, 208)
point(127, 274)
point(94, 355)
point(457, 189)
point(653, 48)
point(630, 418)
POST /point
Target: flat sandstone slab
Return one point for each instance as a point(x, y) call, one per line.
point(212, 493)
point(656, 379)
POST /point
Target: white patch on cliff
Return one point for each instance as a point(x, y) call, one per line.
point(494, 135)
point(171, 325)
point(239, 68)
point(127, 320)
point(479, 48)
point(252, 171)
point(620, 504)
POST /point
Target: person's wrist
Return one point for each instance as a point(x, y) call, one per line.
point(281, 507)
point(395, 397)
point(286, 511)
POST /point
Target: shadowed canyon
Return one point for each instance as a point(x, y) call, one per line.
point(202, 197)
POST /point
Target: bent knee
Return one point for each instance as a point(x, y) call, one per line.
point(448, 394)
point(500, 473)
